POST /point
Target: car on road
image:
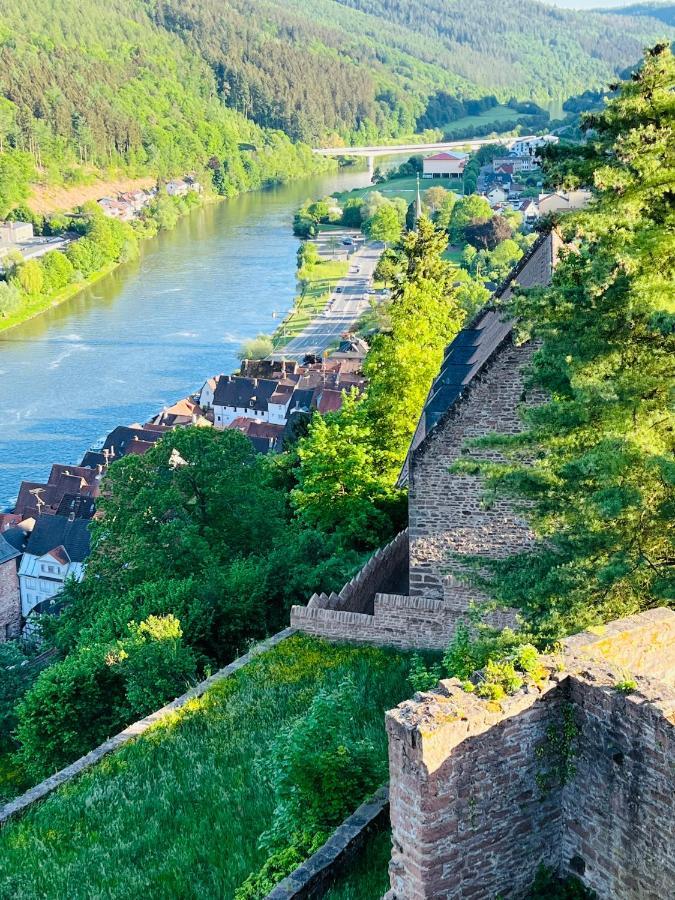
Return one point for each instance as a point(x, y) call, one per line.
point(348, 242)
point(338, 290)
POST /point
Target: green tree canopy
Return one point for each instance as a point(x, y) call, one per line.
point(600, 486)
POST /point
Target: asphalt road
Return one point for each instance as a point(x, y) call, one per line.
point(347, 304)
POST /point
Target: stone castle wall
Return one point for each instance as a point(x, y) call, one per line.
point(447, 511)
point(470, 813)
point(10, 601)
point(408, 623)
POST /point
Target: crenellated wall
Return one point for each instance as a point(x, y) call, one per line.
point(477, 801)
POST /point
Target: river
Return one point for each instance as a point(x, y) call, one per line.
point(151, 332)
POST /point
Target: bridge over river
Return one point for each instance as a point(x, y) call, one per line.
point(395, 149)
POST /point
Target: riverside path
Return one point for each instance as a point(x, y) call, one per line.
point(348, 301)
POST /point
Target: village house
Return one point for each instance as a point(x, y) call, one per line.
point(265, 437)
point(496, 195)
point(122, 440)
point(444, 165)
point(179, 187)
point(36, 499)
point(205, 395)
point(237, 397)
point(184, 412)
point(55, 551)
point(15, 232)
point(514, 164)
point(529, 210)
point(563, 201)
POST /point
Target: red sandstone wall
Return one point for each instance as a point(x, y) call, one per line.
point(447, 514)
point(619, 810)
point(10, 602)
point(468, 819)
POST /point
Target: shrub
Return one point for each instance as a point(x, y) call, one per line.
point(322, 767)
point(257, 348)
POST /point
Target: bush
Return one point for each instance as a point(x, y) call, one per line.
point(321, 766)
point(94, 692)
point(257, 348)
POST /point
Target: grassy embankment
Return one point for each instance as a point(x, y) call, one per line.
point(35, 306)
point(322, 277)
point(178, 812)
point(368, 877)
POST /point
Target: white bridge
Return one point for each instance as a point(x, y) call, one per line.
point(395, 149)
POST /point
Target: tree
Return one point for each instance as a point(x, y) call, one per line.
point(351, 213)
point(10, 298)
point(595, 462)
point(77, 703)
point(384, 225)
point(466, 211)
point(434, 198)
point(488, 234)
point(258, 347)
point(402, 363)
point(443, 215)
point(29, 278)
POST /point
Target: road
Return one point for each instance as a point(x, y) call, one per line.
point(347, 304)
point(394, 149)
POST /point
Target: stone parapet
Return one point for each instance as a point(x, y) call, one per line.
point(397, 621)
point(576, 774)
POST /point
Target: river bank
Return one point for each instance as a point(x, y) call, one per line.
point(151, 330)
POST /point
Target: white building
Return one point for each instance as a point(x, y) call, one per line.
point(207, 391)
point(237, 397)
point(563, 201)
point(496, 196)
point(444, 165)
point(56, 550)
point(529, 146)
point(15, 232)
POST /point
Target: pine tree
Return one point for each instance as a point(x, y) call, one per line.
point(595, 465)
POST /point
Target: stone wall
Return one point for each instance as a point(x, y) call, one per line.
point(468, 822)
point(10, 601)
point(470, 816)
point(447, 511)
point(397, 621)
point(314, 877)
point(385, 571)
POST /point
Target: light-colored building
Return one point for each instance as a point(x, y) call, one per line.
point(15, 232)
point(513, 164)
point(444, 165)
point(563, 201)
point(529, 146)
point(236, 397)
point(496, 196)
point(206, 393)
point(56, 550)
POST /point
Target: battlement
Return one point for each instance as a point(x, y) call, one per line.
point(575, 774)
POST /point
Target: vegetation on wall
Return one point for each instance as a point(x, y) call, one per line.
point(595, 462)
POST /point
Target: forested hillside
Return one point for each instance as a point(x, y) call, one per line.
point(162, 87)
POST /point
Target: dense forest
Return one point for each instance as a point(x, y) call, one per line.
point(170, 86)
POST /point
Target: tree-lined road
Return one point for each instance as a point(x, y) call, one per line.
point(348, 302)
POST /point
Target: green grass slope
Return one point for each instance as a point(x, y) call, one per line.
point(178, 812)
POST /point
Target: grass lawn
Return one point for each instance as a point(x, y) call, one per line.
point(368, 878)
point(395, 187)
point(178, 812)
point(497, 114)
point(454, 254)
point(322, 279)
